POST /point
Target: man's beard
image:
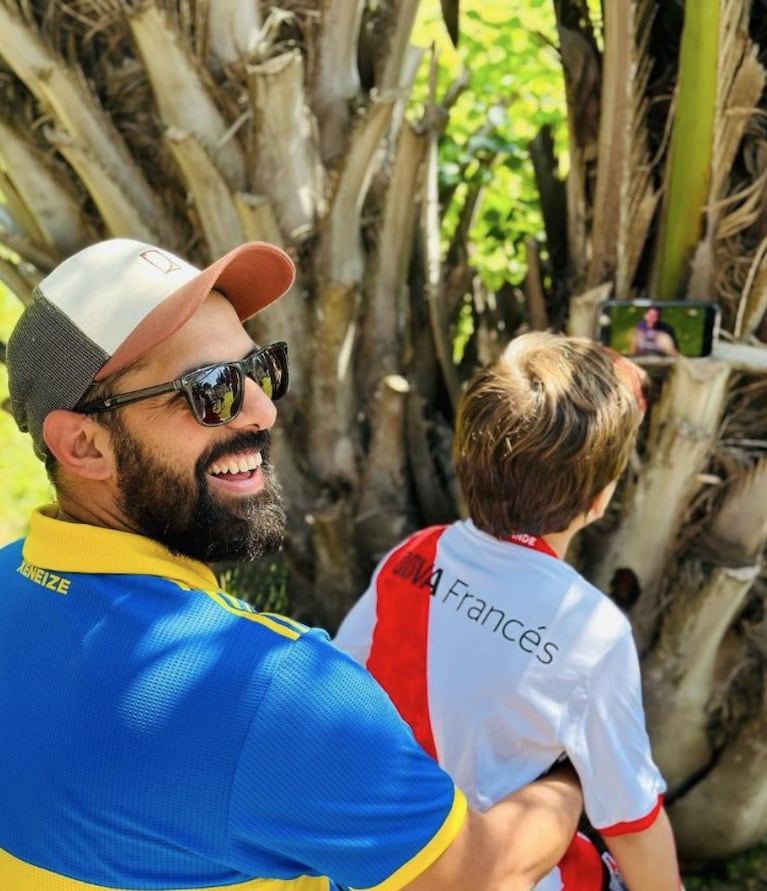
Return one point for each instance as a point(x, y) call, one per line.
point(180, 513)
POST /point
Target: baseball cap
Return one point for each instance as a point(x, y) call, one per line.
point(106, 306)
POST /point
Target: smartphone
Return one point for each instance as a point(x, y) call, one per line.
point(658, 328)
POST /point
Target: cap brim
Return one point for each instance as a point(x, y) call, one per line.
point(251, 277)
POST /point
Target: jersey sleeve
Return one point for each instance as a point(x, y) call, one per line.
point(332, 781)
point(355, 634)
point(607, 742)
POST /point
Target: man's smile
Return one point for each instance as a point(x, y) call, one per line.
point(236, 464)
point(240, 472)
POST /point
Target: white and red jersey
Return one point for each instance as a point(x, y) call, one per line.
point(502, 658)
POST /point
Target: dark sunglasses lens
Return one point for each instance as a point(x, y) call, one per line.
point(269, 369)
point(217, 394)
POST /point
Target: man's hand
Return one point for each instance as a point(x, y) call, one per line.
point(515, 843)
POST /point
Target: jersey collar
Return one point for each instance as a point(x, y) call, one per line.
point(78, 547)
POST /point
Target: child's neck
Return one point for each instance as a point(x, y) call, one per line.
point(559, 542)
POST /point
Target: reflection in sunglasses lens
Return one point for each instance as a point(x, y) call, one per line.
point(275, 368)
point(263, 374)
point(217, 394)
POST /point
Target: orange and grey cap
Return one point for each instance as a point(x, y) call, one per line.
point(105, 307)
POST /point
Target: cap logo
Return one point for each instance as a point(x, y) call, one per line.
point(160, 261)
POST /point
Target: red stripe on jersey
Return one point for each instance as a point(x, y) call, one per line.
point(398, 649)
point(634, 825)
point(581, 868)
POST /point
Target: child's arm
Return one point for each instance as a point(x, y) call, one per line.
point(647, 859)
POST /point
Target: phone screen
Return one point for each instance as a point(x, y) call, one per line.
point(664, 329)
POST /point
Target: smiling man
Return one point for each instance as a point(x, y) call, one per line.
point(156, 732)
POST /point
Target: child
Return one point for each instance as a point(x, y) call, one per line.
point(500, 656)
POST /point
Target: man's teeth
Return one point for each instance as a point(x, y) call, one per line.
point(237, 464)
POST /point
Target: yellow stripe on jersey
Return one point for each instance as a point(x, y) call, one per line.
point(286, 628)
point(15, 875)
point(291, 623)
point(429, 854)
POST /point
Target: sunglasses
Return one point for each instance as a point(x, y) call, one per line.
point(214, 393)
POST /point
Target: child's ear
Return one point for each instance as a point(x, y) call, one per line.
point(600, 503)
point(79, 444)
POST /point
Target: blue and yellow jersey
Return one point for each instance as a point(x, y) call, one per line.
point(157, 733)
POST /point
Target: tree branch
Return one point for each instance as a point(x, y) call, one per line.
point(379, 337)
point(289, 169)
point(218, 216)
point(183, 100)
point(92, 138)
point(684, 427)
point(39, 201)
point(335, 83)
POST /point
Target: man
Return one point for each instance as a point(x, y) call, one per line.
point(653, 337)
point(155, 732)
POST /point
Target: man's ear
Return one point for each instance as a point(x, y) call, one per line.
point(79, 444)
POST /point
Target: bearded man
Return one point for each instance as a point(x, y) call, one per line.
point(156, 732)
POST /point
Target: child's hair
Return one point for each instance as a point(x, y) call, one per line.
point(543, 430)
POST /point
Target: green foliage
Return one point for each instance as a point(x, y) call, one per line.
point(262, 583)
point(744, 872)
point(24, 483)
point(515, 87)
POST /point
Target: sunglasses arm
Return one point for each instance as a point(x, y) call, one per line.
point(98, 406)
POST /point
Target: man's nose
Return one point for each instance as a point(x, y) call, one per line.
point(257, 408)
